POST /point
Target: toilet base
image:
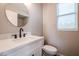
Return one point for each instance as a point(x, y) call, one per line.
point(46, 54)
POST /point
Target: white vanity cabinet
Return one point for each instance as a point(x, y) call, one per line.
point(33, 48)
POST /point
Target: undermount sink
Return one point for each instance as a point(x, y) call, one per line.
point(27, 38)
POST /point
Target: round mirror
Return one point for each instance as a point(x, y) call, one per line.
point(17, 14)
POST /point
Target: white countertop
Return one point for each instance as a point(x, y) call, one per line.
point(7, 44)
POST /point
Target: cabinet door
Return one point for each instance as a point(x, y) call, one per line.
point(37, 51)
point(24, 51)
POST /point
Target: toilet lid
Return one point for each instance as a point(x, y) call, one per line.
point(50, 49)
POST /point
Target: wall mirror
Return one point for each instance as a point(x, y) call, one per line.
point(18, 16)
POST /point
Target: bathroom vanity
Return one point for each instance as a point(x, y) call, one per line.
point(26, 46)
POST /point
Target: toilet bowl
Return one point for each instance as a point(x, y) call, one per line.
point(50, 50)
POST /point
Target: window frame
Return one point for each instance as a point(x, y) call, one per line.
point(76, 18)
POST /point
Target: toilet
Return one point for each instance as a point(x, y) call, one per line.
point(49, 50)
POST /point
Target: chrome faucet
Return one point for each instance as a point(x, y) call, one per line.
point(20, 33)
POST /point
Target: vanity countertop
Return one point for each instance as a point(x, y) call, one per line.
point(8, 44)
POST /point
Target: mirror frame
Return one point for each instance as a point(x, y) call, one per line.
point(19, 15)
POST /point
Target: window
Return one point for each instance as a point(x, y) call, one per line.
point(67, 17)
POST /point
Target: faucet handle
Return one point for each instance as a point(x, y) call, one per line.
point(15, 36)
point(24, 34)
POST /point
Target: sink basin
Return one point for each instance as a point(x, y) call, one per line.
point(27, 38)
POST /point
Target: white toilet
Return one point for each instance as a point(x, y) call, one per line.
point(49, 50)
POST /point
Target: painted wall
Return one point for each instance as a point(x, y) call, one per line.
point(66, 42)
point(34, 25)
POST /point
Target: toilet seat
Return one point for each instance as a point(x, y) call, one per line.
point(50, 50)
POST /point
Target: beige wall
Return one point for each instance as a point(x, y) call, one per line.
point(34, 24)
point(66, 42)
